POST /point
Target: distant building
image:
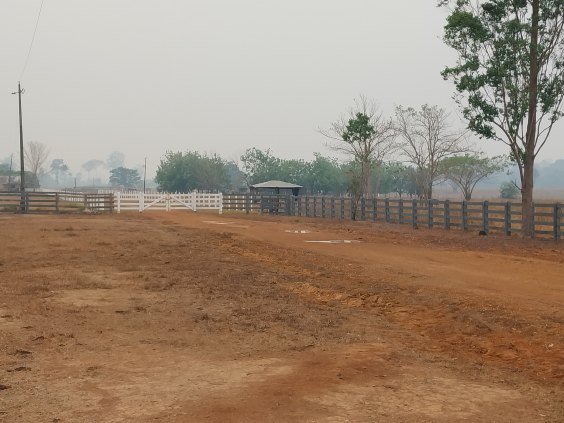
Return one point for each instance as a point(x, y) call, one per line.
point(276, 187)
point(9, 184)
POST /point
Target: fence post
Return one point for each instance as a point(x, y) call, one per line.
point(57, 202)
point(323, 207)
point(292, 201)
point(374, 209)
point(247, 203)
point(332, 207)
point(557, 218)
point(534, 218)
point(363, 208)
point(507, 218)
point(387, 210)
point(119, 202)
point(446, 214)
point(485, 217)
point(430, 213)
point(400, 211)
point(414, 213)
point(342, 208)
point(465, 215)
point(85, 202)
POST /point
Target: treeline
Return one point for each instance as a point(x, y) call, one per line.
point(408, 153)
point(192, 170)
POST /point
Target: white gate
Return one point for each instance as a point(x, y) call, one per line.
point(167, 202)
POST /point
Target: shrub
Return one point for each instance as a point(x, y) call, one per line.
point(508, 190)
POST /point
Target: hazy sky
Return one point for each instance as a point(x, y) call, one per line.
point(143, 77)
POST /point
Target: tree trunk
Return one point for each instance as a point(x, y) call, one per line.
point(528, 226)
point(430, 191)
point(528, 217)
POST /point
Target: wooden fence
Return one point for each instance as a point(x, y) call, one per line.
point(55, 202)
point(504, 217)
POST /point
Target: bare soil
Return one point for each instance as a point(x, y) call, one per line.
point(190, 317)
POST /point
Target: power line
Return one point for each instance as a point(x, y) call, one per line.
point(32, 39)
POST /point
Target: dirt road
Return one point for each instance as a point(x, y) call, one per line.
point(183, 317)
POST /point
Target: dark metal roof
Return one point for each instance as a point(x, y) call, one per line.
point(276, 184)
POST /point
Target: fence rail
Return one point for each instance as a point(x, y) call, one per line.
point(168, 201)
point(504, 217)
point(55, 202)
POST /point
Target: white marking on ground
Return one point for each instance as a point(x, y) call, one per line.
point(336, 241)
point(230, 224)
point(303, 231)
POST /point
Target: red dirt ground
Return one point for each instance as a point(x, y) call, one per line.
point(190, 317)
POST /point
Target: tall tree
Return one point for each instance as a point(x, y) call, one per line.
point(510, 76)
point(365, 136)
point(260, 166)
point(427, 138)
point(398, 178)
point(236, 177)
point(124, 177)
point(91, 165)
point(36, 155)
point(324, 175)
point(58, 166)
point(466, 171)
point(115, 159)
point(184, 172)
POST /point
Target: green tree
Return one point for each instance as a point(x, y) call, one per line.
point(260, 166)
point(58, 166)
point(236, 177)
point(324, 175)
point(466, 171)
point(184, 172)
point(115, 160)
point(365, 136)
point(124, 177)
point(398, 178)
point(510, 76)
point(508, 190)
point(293, 170)
point(91, 165)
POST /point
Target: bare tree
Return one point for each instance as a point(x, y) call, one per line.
point(365, 136)
point(36, 155)
point(427, 139)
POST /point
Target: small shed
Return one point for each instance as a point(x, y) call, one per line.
point(276, 187)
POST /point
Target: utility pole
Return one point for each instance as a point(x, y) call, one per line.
point(144, 175)
point(10, 174)
point(22, 170)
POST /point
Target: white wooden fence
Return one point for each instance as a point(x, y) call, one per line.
point(166, 201)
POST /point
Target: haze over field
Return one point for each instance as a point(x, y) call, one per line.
point(143, 77)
